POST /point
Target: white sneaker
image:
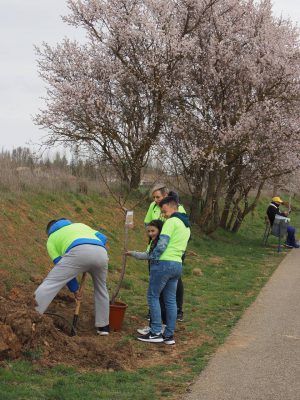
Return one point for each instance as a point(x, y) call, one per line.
point(146, 329)
point(143, 331)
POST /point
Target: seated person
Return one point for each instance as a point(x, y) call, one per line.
point(273, 210)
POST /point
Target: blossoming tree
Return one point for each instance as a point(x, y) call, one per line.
point(241, 97)
point(111, 94)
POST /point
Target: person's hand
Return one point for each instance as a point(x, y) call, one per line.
point(128, 253)
point(285, 213)
point(78, 295)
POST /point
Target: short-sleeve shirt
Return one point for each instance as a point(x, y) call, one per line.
point(179, 236)
point(154, 212)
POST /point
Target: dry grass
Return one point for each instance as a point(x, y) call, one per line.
point(15, 178)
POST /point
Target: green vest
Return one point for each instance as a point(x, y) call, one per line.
point(179, 236)
point(60, 241)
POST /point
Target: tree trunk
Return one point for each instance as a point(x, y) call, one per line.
point(195, 207)
point(215, 221)
point(234, 173)
point(135, 178)
point(207, 208)
point(205, 220)
point(227, 205)
point(233, 214)
point(247, 208)
point(238, 221)
point(122, 172)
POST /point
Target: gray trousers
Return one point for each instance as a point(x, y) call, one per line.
point(83, 258)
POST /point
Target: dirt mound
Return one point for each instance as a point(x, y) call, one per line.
point(10, 347)
point(45, 339)
point(25, 333)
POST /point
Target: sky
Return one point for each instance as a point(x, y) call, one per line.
point(23, 24)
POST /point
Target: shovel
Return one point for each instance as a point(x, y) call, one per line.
point(78, 302)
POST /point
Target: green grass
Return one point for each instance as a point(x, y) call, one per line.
point(234, 268)
point(23, 380)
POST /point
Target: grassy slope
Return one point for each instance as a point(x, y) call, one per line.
point(233, 267)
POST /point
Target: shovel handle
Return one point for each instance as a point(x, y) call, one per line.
point(78, 302)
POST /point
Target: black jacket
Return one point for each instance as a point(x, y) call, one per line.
point(273, 210)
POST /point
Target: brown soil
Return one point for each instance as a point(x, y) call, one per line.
point(45, 339)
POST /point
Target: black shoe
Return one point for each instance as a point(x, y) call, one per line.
point(288, 246)
point(169, 339)
point(151, 337)
point(103, 331)
point(180, 316)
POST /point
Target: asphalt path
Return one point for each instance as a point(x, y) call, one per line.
point(260, 360)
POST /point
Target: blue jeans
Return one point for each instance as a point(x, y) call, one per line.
point(291, 240)
point(164, 276)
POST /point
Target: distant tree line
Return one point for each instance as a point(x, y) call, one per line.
point(25, 157)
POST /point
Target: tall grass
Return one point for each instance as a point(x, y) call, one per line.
point(25, 174)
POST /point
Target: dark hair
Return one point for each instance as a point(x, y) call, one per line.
point(168, 200)
point(174, 195)
point(157, 223)
point(50, 223)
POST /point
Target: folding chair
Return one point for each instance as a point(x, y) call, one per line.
point(278, 229)
point(267, 231)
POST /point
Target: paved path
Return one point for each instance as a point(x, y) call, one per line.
point(261, 358)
